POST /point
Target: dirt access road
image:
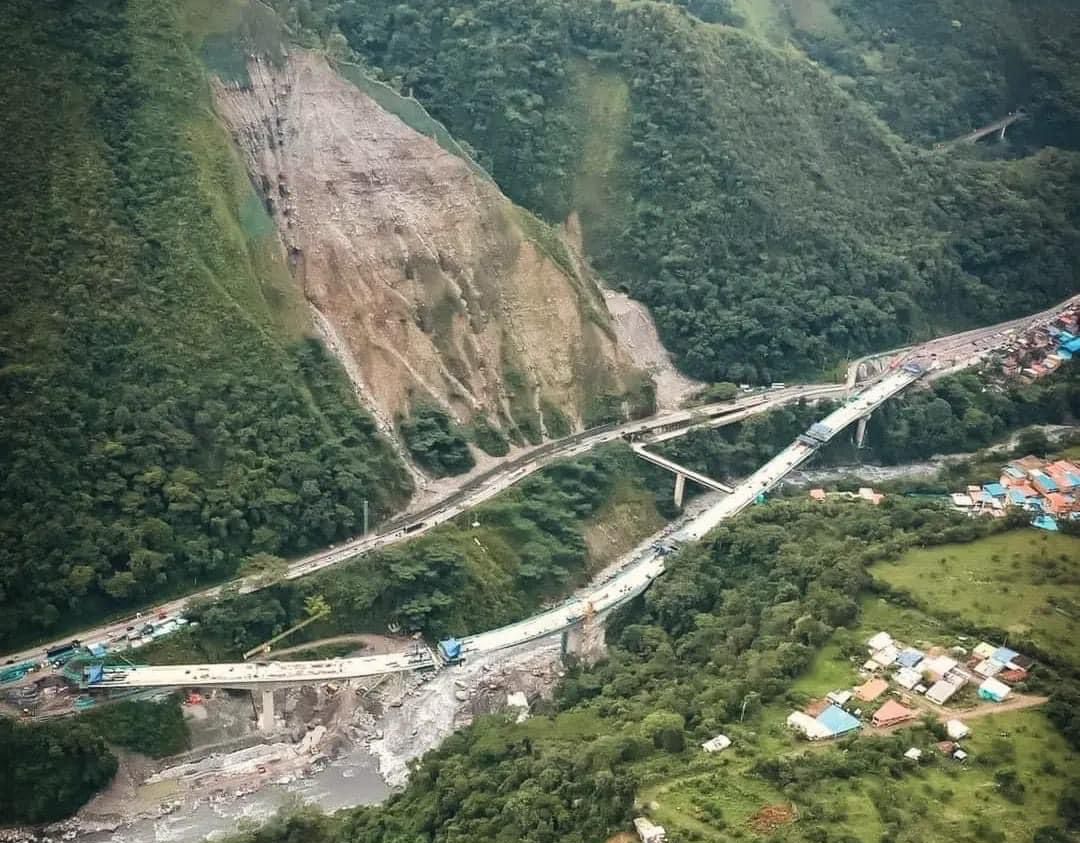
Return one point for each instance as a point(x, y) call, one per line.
point(1016, 702)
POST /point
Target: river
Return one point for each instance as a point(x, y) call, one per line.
point(350, 780)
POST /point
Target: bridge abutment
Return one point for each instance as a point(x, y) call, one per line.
point(680, 489)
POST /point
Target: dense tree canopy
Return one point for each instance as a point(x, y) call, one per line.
point(935, 69)
point(435, 442)
point(50, 769)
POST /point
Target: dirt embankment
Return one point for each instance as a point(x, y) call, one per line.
point(417, 264)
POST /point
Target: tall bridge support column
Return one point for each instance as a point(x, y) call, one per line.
point(860, 431)
point(266, 716)
point(572, 638)
point(680, 489)
point(585, 641)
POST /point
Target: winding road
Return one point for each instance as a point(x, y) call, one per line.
point(942, 355)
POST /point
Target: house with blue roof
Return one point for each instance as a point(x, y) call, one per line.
point(1072, 346)
point(837, 721)
point(995, 490)
point(909, 657)
point(1016, 497)
point(1045, 522)
point(1014, 472)
point(1003, 655)
point(1044, 483)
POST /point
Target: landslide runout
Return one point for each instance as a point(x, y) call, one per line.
point(419, 263)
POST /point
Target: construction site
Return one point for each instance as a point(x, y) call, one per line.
point(332, 744)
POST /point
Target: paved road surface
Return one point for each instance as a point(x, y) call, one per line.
point(696, 476)
point(766, 477)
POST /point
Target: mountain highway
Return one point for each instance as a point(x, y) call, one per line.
point(945, 354)
point(478, 490)
point(598, 599)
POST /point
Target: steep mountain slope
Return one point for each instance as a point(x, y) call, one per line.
point(164, 414)
point(438, 289)
point(768, 216)
point(933, 69)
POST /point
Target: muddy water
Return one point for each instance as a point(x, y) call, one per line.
point(351, 780)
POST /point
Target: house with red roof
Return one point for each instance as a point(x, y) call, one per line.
point(892, 713)
point(1058, 504)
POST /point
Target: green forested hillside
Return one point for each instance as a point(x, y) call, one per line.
point(164, 415)
point(51, 768)
point(750, 196)
point(935, 69)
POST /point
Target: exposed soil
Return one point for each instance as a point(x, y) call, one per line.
point(423, 278)
point(772, 817)
point(637, 334)
point(372, 645)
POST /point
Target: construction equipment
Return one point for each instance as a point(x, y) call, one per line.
point(266, 645)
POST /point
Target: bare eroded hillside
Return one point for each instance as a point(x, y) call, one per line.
point(420, 268)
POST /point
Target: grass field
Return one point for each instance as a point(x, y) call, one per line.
point(714, 798)
point(1013, 580)
point(1023, 581)
point(828, 671)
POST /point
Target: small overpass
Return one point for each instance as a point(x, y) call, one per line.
point(998, 126)
point(681, 473)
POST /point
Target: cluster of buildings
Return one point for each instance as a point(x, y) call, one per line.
point(934, 675)
point(1049, 491)
point(1043, 349)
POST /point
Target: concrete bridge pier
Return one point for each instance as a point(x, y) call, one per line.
point(860, 431)
point(573, 639)
point(266, 716)
point(680, 489)
point(584, 640)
